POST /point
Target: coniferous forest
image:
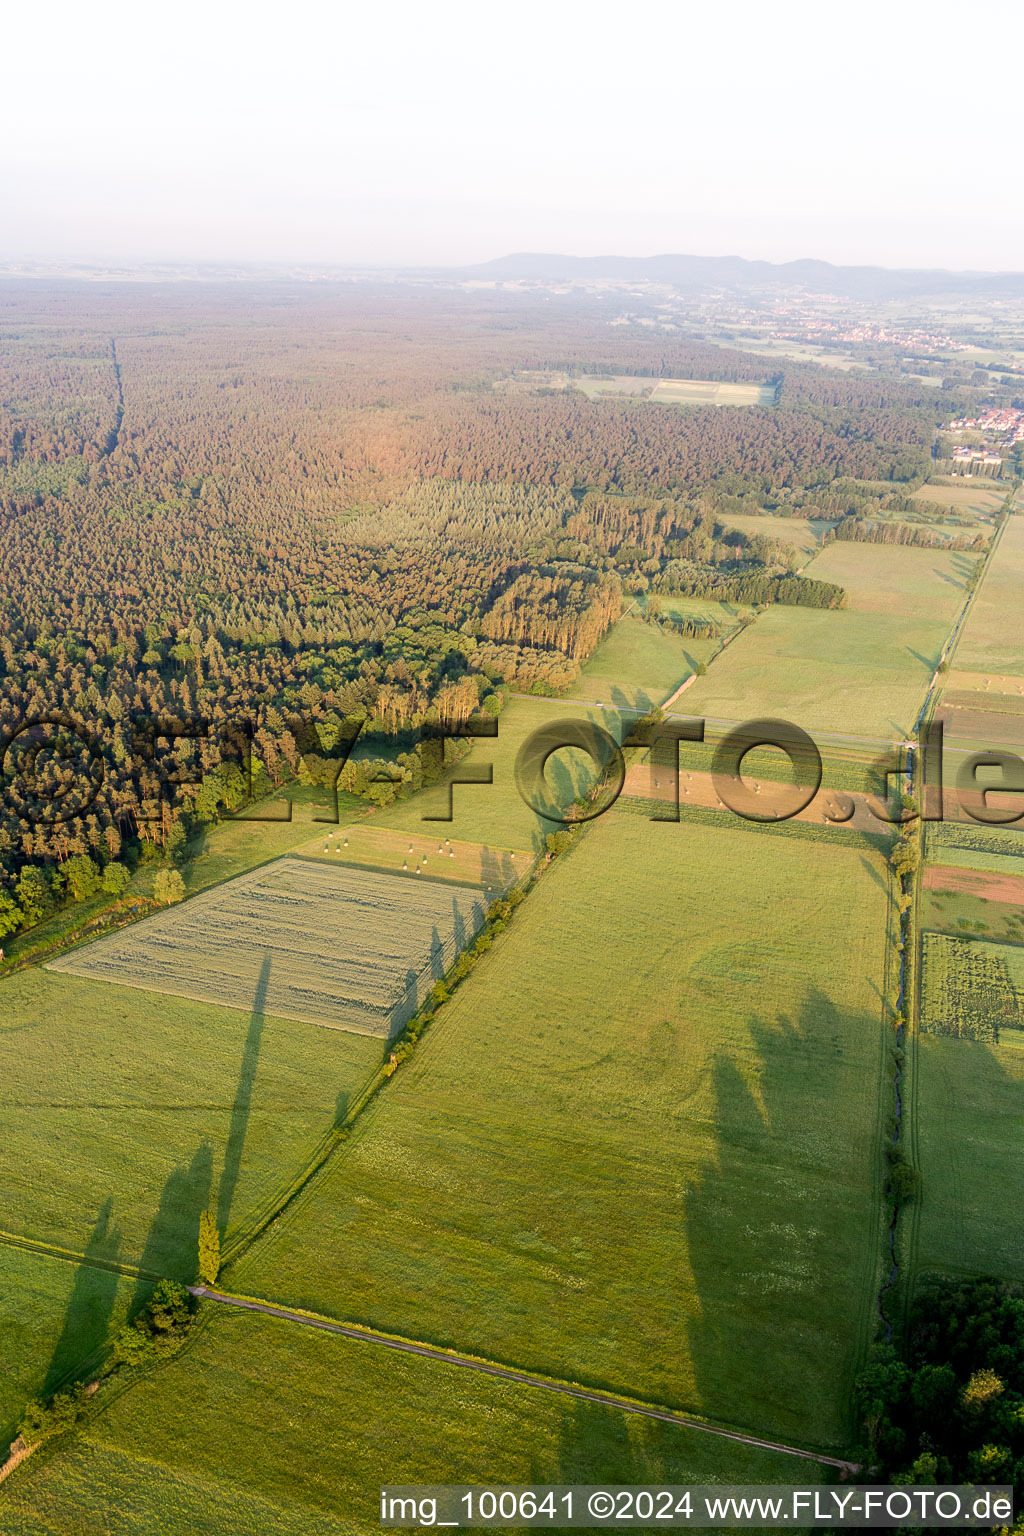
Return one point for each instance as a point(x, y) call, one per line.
point(318, 509)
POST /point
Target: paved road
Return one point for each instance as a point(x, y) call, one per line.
point(406, 1346)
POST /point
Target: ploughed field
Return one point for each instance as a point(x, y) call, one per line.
point(323, 944)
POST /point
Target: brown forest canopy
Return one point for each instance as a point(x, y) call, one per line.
point(218, 500)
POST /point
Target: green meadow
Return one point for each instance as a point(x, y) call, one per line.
point(639, 664)
point(805, 532)
point(495, 815)
point(639, 1149)
point(993, 637)
point(123, 1113)
point(970, 1118)
point(54, 1319)
point(862, 670)
point(897, 581)
point(263, 1425)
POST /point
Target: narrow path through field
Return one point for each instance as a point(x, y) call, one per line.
point(447, 1357)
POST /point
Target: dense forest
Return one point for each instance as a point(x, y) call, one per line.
point(308, 508)
point(948, 1405)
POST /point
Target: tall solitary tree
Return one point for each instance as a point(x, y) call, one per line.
point(168, 886)
point(209, 1248)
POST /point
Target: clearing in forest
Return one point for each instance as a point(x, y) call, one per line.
point(342, 947)
point(712, 392)
point(805, 532)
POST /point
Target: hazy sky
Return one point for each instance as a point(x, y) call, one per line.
point(450, 132)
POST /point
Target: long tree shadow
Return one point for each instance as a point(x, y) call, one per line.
point(597, 1444)
point(243, 1101)
point(781, 1225)
point(172, 1243)
point(90, 1305)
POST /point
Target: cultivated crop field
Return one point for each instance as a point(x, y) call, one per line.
point(970, 1113)
point(325, 945)
point(661, 1137)
point(993, 636)
point(970, 989)
point(711, 392)
point(333, 1421)
point(1002, 887)
point(123, 1113)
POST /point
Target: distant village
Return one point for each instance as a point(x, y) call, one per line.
point(1001, 423)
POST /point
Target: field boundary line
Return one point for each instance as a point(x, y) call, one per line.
point(303, 1182)
point(70, 1256)
point(909, 1233)
point(953, 643)
point(364, 1335)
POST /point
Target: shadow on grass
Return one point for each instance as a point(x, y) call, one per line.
point(783, 1227)
point(243, 1102)
point(90, 1305)
point(172, 1245)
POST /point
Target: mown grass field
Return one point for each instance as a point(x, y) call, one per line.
point(125, 1113)
point(232, 847)
point(369, 846)
point(862, 670)
point(302, 939)
point(638, 665)
point(639, 1149)
point(261, 1425)
point(217, 853)
point(970, 1117)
